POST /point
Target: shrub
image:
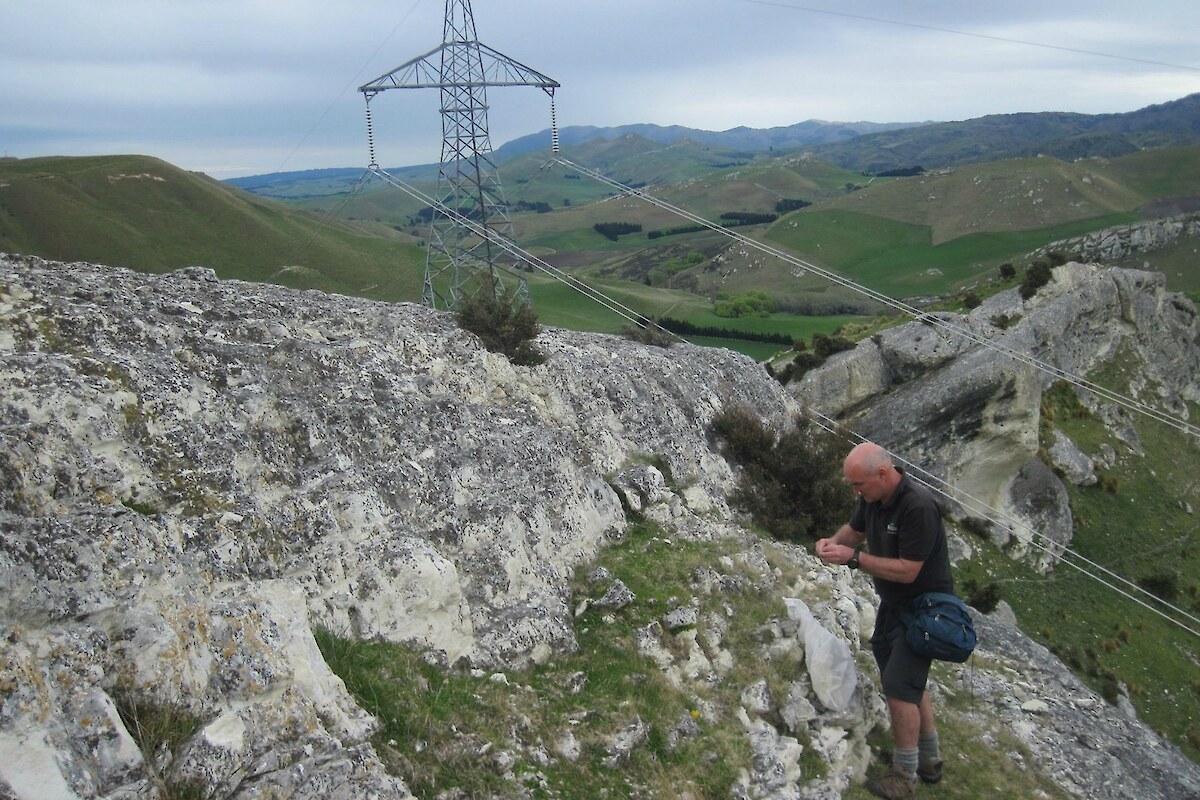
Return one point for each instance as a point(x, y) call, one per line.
point(1004, 321)
point(503, 323)
point(651, 333)
point(1163, 585)
point(791, 483)
point(978, 526)
point(985, 597)
point(751, 304)
point(1037, 276)
point(1007, 271)
point(825, 346)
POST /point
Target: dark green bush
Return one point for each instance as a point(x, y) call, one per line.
point(825, 345)
point(1037, 276)
point(980, 527)
point(804, 359)
point(651, 333)
point(1163, 585)
point(503, 323)
point(984, 597)
point(791, 483)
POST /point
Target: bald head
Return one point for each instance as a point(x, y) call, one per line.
point(870, 472)
point(869, 456)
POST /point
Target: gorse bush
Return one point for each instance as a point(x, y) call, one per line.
point(984, 597)
point(790, 483)
point(1037, 276)
point(804, 359)
point(505, 324)
point(651, 333)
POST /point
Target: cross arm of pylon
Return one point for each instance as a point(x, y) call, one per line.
point(425, 72)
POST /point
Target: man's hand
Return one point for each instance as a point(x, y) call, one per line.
point(831, 552)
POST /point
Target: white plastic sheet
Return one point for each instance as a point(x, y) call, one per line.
point(830, 665)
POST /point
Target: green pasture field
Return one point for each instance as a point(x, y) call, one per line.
point(900, 259)
point(1179, 261)
point(561, 306)
point(1157, 173)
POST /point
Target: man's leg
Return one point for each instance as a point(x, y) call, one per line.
point(907, 719)
point(900, 783)
point(929, 756)
point(927, 722)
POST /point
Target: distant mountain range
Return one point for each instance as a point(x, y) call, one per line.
point(755, 140)
point(877, 147)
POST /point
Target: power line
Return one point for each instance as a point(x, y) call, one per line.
point(510, 247)
point(932, 320)
point(972, 34)
point(1052, 548)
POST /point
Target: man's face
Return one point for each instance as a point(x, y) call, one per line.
point(868, 484)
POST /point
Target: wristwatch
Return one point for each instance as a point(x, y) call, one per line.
point(853, 562)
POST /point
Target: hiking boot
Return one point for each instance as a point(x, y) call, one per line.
point(931, 772)
point(895, 784)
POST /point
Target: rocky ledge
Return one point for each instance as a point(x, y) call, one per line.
point(196, 473)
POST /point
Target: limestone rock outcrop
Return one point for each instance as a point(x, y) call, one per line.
point(959, 396)
point(1115, 244)
point(195, 474)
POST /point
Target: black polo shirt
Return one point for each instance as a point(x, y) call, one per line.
point(909, 527)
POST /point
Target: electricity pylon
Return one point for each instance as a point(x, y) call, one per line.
point(468, 181)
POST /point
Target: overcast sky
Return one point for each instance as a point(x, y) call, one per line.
point(244, 87)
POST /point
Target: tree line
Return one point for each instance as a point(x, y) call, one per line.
point(685, 328)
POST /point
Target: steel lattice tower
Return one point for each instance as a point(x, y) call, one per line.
point(468, 181)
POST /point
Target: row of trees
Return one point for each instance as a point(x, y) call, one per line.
point(684, 328)
point(613, 230)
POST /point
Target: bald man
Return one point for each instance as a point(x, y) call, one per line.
point(901, 525)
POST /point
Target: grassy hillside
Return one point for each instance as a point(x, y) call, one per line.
point(1002, 196)
point(145, 214)
point(1136, 522)
point(916, 237)
point(942, 232)
point(1067, 137)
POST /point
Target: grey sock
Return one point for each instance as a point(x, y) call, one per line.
point(929, 747)
point(905, 758)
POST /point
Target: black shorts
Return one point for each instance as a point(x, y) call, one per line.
point(903, 672)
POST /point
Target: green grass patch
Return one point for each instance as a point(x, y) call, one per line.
point(160, 731)
point(979, 761)
point(448, 729)
point(1135, 524)
point(559, 305)
point(899, 259)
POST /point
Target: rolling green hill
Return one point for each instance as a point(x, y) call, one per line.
point(933, 234)
point(1001, 136)
point(145, 214)
point(142, 213)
